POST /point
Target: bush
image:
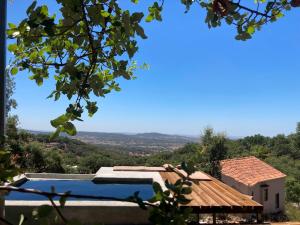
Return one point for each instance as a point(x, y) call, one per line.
point(292, 212)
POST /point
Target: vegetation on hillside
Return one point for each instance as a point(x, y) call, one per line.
point(37, 153)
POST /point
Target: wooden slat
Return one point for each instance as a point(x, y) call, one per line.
point(217, 196)
point(173, 177)
point(221, 194)
point(208, 200)
point(234, 194)
point(231, 193)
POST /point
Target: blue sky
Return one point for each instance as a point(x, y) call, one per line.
point(198, 77)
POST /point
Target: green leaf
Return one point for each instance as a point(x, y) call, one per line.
point(229, 20)
point(12, 47)
point(183, 200)
point(14, 71)
point(279, 15)
point(140, 31)
point(186, 190)
point(188, 168)
point(44, 10)
point(31, 7)
point(105, 13)
point(92, 108)
point(55, 134)
point(157, 188)
point(62, 201)
point(11, 25)
point(251, 30)
point(60, 120)
point(138, 200)
point(149, 18)
point(137, 16)
point(69, 128)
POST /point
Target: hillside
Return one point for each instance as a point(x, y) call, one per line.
point(143, 143)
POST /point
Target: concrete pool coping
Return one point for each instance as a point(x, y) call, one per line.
point(60, 176)
point(20, 179)
point(109, 174)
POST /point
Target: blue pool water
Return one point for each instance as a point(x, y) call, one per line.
point(83, 187)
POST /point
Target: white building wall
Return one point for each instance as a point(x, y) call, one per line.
point(274, 187)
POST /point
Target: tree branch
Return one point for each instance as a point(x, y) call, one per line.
point(250, 10)
point(58, 211)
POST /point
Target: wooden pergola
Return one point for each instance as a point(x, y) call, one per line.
point(211, 196)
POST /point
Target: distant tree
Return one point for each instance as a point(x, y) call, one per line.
point(207, 136)
point(295, 150)
point(256, 139)
point(92, 162)
point(34, 159)
point(214, 150)
point(260, 151)
point(11, 128)
point(53, 162)
point(11, 103)
point(217, 152)
point(293, 191)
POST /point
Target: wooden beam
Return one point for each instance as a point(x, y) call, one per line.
point(259, 218)
point(214, 218)
point(224, 209)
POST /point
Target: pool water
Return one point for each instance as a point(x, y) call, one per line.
point(82, 187)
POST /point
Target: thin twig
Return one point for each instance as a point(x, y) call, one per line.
point(250, 10)
point(58, 211)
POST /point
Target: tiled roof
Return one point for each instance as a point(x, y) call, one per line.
point(249, 170)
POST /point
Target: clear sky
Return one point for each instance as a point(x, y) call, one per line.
point(198, 77)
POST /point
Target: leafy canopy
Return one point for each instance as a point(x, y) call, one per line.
point(92, 43)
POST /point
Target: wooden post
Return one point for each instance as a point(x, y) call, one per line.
point(259, 218)
point(214, 218)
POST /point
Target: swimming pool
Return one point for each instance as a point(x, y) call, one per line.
point(83, 187)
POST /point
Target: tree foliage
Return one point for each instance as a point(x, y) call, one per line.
point(11, 103)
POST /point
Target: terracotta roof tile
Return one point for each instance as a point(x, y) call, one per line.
point(249, 170)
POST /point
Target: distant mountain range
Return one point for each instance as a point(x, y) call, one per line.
point(144, 142)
